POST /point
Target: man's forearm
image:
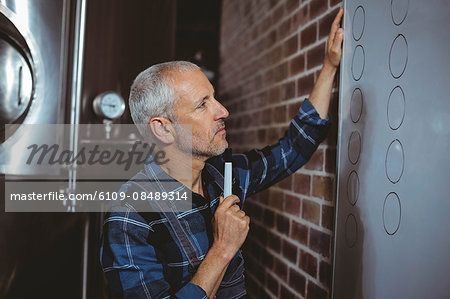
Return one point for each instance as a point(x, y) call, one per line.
point(210, 273)
point(321, 94)
point(216, 287)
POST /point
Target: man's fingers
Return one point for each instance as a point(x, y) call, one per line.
point(230, 200)
point(235, 208)
point(335, 25)
point(241, 213)
point(337, 43)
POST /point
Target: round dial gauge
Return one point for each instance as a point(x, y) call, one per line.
point(109, 105)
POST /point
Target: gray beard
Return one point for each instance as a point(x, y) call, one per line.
point(192, 146)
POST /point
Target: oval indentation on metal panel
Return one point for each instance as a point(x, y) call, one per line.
point(353, 188)
point(358, 62)
point(396, 108)
point(356, 105)
point(354, 147)
point(394, 161)
point(392, 213)
point(359, 20)
point(399, 11)
point(351, 230)
point(398, 56)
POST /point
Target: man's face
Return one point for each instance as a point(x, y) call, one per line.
point(197, 107)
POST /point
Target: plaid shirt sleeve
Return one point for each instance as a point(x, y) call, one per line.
point(260, 169)
point(130, 263)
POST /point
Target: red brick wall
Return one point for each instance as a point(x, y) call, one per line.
point(271, 52)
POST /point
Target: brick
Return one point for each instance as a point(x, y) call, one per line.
point(261, 136)
point(308, 36)
point(292, 5)
point(261, 99)
point(266, 116)
point(253, 288)
point(278, 14)
point(322, 187)
point(276, 198)
point(273, 135)
point(317, 7)
point(311, 211)
point(293, 109)
point(290, 251)
point(320, 242)
point(280, 72)
point(292, 205)
point(257, 82)
point(253, 210)
point(259, 232)
point(315, 292)
point(288, 91)
point(299, 232)
point(290, 46)
point(267, 259)
point(297, 64)
point(250, 137)
point(263, 196)
point(335, 2)
point(283, 224)
point(305, 85)
point(280, 269)
point(315, 56)
point(259, 272)
point(285, 293)
point(325, 273)
point(302, 184)
point(268, 77)
point(280, 115)
point(265, 24)
point(275, 55)
point(330, 160)
point(285, 184)
point(328, 217)
point(273, 242)
point(269, 218)
point(316, 161)
point(297, 281)
point(308, 263)
point(284, 29)
point(255, 249)
point(300, 17)
point(275, 94)
point(325, 23)
point(272, 284)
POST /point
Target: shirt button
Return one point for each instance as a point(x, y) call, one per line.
point(191, 269)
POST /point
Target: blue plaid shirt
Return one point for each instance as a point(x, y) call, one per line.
point(141, 254)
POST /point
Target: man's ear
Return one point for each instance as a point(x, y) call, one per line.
point(163, 129)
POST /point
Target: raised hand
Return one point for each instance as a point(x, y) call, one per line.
point(334, 44)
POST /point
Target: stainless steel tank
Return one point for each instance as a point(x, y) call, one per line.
point(33, 59)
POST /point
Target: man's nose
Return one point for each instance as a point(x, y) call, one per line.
point(222, 112)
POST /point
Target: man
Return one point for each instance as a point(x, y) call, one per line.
point(196, 254)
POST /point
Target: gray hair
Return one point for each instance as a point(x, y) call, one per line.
point(152, 95)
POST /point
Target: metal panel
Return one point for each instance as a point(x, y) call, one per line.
point(392, 221)
point(32, 31)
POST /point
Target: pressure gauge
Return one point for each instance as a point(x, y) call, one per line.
point(109, 105)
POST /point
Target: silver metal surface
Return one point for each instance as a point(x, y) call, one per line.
point(392, 222)
point(16, 85)
point(37, 30)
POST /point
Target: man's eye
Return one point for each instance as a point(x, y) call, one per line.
point(202, 105)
